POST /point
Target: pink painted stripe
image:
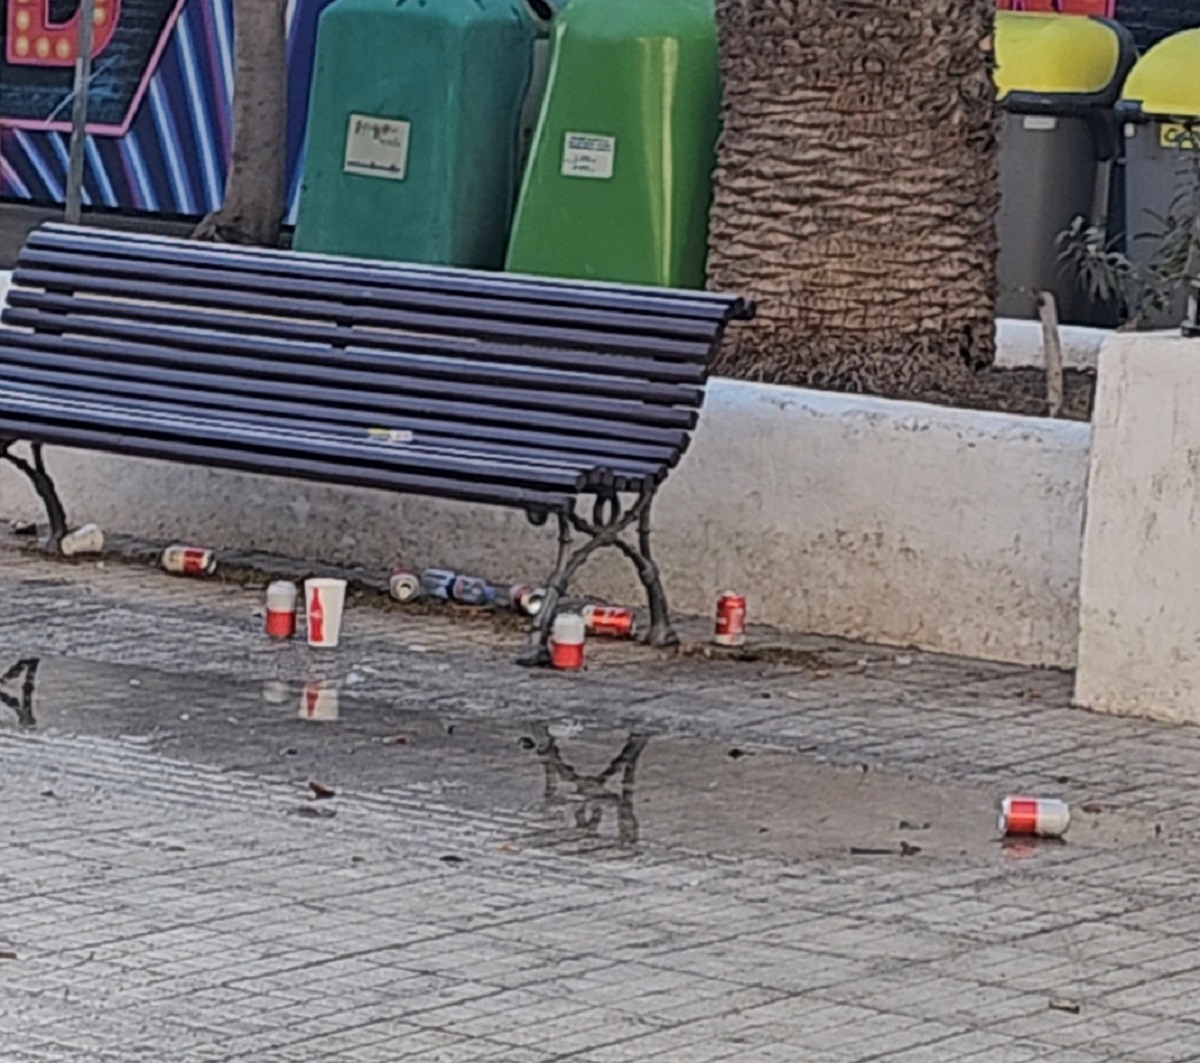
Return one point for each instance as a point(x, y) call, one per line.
point(123, 128)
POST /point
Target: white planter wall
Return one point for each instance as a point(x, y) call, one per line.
point(952, 530)
point(1139, 649)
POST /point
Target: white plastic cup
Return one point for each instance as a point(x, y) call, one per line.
point(280, 620)
point(319, 701)
point(324, 602)
point(567, 638)
point(86, 540)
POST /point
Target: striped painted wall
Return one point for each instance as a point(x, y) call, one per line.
point(169, 155)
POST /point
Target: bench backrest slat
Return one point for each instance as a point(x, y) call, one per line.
point(359, 356)
point(538, 290)
point(334, 335)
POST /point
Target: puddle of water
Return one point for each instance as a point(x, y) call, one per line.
point(554, 782)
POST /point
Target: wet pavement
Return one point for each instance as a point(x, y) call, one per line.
point(213, 847)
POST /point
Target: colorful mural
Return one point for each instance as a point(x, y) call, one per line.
point(159, 101)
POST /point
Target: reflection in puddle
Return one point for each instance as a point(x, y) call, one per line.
point(22, 705)
point(593, 790)
point(1022, 848)
point(319, 700)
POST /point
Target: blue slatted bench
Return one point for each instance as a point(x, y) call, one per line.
point(562, 399)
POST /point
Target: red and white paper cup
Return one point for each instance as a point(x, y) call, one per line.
point(324, 601)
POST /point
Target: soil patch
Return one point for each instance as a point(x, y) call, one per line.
point(1020, 391)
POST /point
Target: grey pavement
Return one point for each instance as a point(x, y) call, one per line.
point(793, 857)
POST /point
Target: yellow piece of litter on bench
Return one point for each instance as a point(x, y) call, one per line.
point(391, 435)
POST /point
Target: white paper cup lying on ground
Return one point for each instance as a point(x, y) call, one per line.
point(86, 540)
point(324, 601)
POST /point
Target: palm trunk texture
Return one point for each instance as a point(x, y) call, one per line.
point(857, 189)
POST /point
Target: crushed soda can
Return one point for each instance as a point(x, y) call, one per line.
point(731, 620)
point(404, 584)
point(453, 586)
point(86, 540)
point(614, 621)
point(189, 560)
point(1043, 817)
point(471, 590)
point(437, 582)
point(525, 599)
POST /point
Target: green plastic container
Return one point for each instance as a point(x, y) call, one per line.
point(619, 182)
point(414, 134)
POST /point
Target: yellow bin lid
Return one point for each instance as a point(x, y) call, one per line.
point(1166, 80)
point(1057, 55)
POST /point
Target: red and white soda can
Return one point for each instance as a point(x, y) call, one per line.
point(189, 560)
point(731, 620)
point(1045, 817)
point(404, 584)
point(608, 620)
point(281, 609)
point(523, 598)
point(566, 642)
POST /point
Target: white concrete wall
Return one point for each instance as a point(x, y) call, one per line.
point(1139, 647)
point(952, 530)
point(1019, 345)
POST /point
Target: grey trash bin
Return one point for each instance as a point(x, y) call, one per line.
point(1057, 79)
point(1160, 112)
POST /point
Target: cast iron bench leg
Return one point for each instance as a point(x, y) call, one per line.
point(605, 529)
point(43, 484)
point(594, 788)
point(22, 706)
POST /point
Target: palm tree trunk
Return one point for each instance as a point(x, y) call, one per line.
point(857, 189)
point(255, 188)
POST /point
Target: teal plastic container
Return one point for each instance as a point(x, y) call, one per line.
point(414, 130)
point(619, 182)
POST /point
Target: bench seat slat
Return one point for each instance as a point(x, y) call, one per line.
point(292, 265)
point(321, 331)
point(280, 372)
point(357, 356)
point(317, 409)
point(226, 455)
point(349, 425)
point(15, 351)
point(277, 448)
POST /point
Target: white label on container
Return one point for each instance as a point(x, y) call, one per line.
point(1040, 123)
point(377, 147)
point(589, 155)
